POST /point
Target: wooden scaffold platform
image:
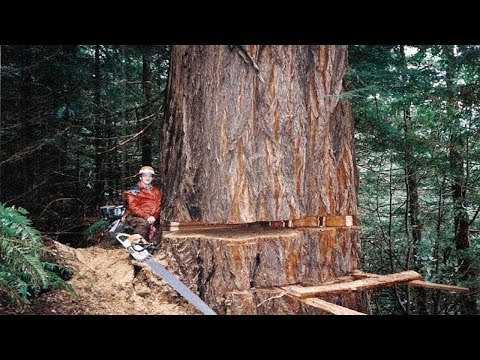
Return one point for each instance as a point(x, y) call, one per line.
point(360, 281)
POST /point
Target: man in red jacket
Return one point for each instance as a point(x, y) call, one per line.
point(143, 204)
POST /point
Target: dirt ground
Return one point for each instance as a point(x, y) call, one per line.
point(108, 281)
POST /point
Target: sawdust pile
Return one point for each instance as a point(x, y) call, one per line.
point(110, 281)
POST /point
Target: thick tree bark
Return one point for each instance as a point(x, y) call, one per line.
point(237, 271)
point(259, 134)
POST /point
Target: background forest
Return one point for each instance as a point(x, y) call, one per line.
point(77, 121)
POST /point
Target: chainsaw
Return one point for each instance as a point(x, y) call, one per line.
point(137, 246)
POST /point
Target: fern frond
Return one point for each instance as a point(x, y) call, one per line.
point(35, 273)
point(12, 287)
point(10, 292)
point(22, 289)
point(23, 273)
point(56, 282)
point(16, 224)
point(61, 270)
point(26, 263)
point(92, 229)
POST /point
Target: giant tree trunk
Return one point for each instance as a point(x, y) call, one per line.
point(258, 134)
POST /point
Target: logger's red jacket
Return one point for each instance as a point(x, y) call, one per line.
point(143, 203)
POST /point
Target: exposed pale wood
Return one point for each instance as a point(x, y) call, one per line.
point(358, 274)
point(338, 220)
point(330, 307)
point(195, 225)
point(364, 284)
point(432, 285)
point(269, 301)
point(310, 221)
point(341, 279)
point(221, 264)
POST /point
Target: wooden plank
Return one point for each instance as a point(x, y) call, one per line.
point(310, 221)
point(338, 220)
point(419, 283)
point(275, 224)
point(358, 274)
point(196, 225)
point(363, 284)
point(432, 285)
point(330, 307)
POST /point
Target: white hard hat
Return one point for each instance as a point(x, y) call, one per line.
point(146, 170)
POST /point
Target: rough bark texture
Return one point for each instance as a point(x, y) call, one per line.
point(236, 270)
point(243, 145)
point(258, 134)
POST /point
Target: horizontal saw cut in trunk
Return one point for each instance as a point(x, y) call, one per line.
point(233, 270)
point(258, 176)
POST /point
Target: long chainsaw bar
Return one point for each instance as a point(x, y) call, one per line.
point(141, 254)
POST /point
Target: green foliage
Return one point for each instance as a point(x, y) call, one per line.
point(413, 107)
point(92, 233)
point(23, 270)
point(79, 139)
point(92, 229)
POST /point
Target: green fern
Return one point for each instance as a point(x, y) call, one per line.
point(92, 229)
point(11, 284)
point(15, 223)
point(23, 273)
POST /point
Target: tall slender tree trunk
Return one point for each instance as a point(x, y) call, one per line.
point(438, 239)
point(99, 185)
point(124, 119)
point(412, 221)
point(27, 138)
point(459, 193)
point(414, 225)
point(147, 109)
point(391, 249)
point(259, 134)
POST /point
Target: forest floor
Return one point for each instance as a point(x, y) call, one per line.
point(108, 281)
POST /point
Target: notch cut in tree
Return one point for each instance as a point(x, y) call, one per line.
point(246, 144)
